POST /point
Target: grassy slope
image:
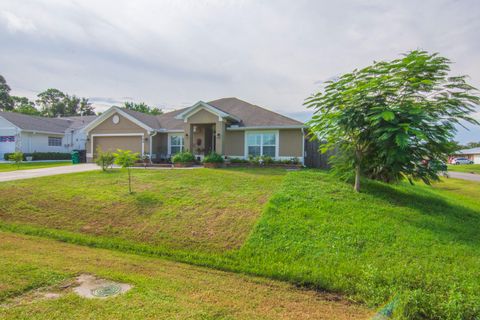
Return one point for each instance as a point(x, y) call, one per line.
point(162, 289)
point(203, 210)
point(469, 168)
point(4, 167)
point(418, 243)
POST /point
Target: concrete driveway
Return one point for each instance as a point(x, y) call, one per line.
point(464, 176)
point(35, 173)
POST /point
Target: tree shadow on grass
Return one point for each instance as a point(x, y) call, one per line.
point(451, 222)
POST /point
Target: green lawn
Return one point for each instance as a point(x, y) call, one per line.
point(161, 289)
point(418, 246)
point(469, 168)
point(201, 210)
point(4, 167)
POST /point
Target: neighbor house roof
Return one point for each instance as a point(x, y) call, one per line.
point(249, 115)
point(469, 151)
point(43, 124)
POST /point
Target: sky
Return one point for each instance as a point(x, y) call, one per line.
point(171, 54)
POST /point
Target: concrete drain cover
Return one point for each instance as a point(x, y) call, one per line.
point(106, 291)
point(90, 286)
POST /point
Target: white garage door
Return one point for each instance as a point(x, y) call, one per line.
point(133, 143)
point(7, 145)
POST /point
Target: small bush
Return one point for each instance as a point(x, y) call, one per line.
point(183, 157)
point(213, 158)
point(238, 160)
point(266, 160)
point(16, 157)
point(44, 156)
point(104, 159)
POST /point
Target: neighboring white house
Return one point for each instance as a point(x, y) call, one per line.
point(20, 132)
point(471, 154)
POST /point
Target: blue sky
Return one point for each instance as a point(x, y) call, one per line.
point(173, 53)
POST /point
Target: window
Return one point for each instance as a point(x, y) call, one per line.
point(54, 141)
point(262, 144)
point(7, 138)
point(176, 143)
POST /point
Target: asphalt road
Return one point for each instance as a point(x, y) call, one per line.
point(464, 176)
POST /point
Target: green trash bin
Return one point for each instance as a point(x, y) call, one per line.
point(75, 157)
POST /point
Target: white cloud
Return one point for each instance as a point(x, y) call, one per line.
point(173, 53)
point(15, 23)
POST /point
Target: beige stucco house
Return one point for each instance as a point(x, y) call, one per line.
point(229, 126)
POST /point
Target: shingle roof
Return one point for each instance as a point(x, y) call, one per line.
point(469, 151)
point(253, 115)
point(250, 115)
point(54, 125)
point(148, 119)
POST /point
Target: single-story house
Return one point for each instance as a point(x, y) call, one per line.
point(228, 126)
point(471, 154)
point(25, 133)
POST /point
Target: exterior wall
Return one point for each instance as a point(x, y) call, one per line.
point(291, 143)
point(234, 143)
point(124, 126)
point(38, 142)
point(6, 129)
point(203, 116)
point(476, 158)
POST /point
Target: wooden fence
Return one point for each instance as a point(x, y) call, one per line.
point(313, 157)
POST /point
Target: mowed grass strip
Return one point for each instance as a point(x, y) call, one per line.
point(162, 289)
point(468, 168)
point(416, 244)
point(202, 209)
point(5, 167)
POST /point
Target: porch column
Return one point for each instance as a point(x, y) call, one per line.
point(219, 137)
point(187, 137)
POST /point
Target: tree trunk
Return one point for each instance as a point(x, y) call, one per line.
point(356, 187)
point(129, 181)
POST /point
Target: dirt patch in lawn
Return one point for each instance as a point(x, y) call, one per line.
point(85, 285)
point(92, 287)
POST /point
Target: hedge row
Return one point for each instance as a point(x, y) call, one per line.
point(44, 156)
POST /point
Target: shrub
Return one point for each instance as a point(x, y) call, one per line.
point(213, 158)
point(44, 156)
point(238, 160)
point(183, 157)
point(254, 160)
point(266, 160)
point(104, 159)
point(16, 157)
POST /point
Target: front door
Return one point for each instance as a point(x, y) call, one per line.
point(209, 142)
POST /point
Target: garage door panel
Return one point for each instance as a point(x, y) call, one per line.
point(133, 143)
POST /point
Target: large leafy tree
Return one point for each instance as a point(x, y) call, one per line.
point(54, 102)
point(386, 121)
point(6, 103)
point(142, 107)
point(25, 106)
